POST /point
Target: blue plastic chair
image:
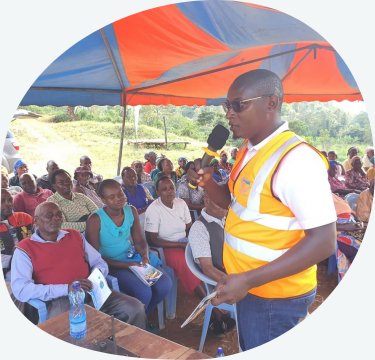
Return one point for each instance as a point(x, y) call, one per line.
point(195, 214)
point(171, 299)
point(177, 186)
point(352, 200)
point(160, 306)
point(149, 185)
point(42, 308)
point(210, 286)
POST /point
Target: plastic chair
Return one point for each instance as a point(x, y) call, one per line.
point(177, 186)
point(352, 200)
point(160, 306)
point(210, 286)
point(42, 308)
point(149, 185)
point(332, 262)
point(118, 178)
point(195, 214)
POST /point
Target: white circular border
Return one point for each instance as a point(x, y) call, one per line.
point(35, 33)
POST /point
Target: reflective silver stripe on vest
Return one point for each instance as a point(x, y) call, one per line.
point(252, 211)
point(253, 250)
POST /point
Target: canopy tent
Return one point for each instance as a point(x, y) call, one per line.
point(188, 54)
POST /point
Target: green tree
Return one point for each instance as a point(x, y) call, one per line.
point(299, 127)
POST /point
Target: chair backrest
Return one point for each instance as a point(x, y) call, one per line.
point(118, 178)
point(177, 186)
point(194, 267)
point(149, 185)
point(352, 200)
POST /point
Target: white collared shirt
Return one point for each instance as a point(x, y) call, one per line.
point(199, 237)
point(301, 183)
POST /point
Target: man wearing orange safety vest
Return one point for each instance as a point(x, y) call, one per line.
point(281, 219)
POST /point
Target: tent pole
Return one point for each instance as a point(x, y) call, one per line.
point(296, 66)
point(165, 133)
point(122, 136)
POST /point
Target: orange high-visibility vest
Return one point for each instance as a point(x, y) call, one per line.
point(259, 227)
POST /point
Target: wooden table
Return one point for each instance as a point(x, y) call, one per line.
point(156, 142)
point(138, 341)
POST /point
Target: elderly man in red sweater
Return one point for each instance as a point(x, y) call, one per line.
point(45, 265)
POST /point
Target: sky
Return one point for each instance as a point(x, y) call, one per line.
point(353, 107)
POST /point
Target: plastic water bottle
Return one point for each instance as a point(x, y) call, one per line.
point(77, 316)
point(220, 352)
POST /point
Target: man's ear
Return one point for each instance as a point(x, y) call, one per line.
point(54, 186)
point(273, 103)
point(35, 220)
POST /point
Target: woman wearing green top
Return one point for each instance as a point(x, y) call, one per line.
point(233, 154)
point(109, 229)
point(165, 167)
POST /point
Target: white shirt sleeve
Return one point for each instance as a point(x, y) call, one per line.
point(199, 240)
point(152, 219)
point(301, 183)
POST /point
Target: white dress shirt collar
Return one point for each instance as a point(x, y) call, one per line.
point(278, 131)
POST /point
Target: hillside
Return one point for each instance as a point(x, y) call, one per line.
point(65, 142)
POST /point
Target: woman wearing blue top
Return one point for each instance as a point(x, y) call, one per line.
point(219, 175)
point(137, 195)
point(108, 230)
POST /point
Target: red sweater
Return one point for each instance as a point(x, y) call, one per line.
point(59, 262)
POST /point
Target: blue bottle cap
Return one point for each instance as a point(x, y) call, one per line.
point(220, 350)
point(76, 285)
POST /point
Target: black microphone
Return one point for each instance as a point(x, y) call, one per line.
point(215, 141)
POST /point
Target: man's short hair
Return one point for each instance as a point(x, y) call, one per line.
point(263, 82)
point(83, 158)
point(58, 172)
point(50, 163)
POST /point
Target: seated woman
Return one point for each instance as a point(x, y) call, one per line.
point(364, 203)
point(225, 165)
point(356, 178)
point(165, 167)
point(332, 156)
point(192, 197)
point(167, 220)
point(233, 154)
point(219, 175)
point(83, 174)
point(347, 164)
point(371, 171)
point(336, 185)
point(137, 195)
point(108, 231)
point(349, 235)
point(19, 168)
point(150, 158)
point(181, 171)
point(13, 190)
point(142, 177)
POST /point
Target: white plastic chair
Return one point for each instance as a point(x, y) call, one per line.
point(210, 286)
point(118, 178)
point(352, 200)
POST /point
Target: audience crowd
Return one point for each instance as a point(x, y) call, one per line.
point(95, 222)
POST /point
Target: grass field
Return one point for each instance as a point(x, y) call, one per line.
point(65, 142)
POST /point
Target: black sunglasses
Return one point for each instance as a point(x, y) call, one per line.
point(236, 104)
